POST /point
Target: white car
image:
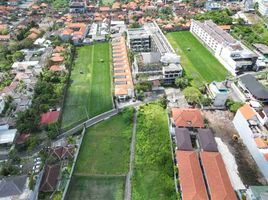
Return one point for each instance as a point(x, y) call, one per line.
point(37, 159)
point(38, 162)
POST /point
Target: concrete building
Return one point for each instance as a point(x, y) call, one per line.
point(257, 193)
point(161, 62)
point(249, 124)
point(212, 5)
point(139, 40)
point(262, 6)
point(218, 92)
point(231, 53)
point(77, 7)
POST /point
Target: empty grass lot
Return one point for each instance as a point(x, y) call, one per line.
point(90, 84)
point(102, 163)
point(96, 188)
point(198, 63)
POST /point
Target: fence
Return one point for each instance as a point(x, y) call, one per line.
point(34, 193)
point(74, 162)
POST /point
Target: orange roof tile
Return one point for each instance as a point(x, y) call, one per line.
point(190, 176)
point(187, 117)
point(260, 143)
point(55, 68)
point(266, 156)
point(219, 184)
point(247, 111)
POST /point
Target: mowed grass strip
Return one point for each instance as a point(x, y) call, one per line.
point(90, 84)
point(93, 188)
point(105, 148)
point(198, 62)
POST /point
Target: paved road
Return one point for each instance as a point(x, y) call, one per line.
point(131, 160)
point(89, 123)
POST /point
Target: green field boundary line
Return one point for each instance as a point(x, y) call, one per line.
point(99, 175)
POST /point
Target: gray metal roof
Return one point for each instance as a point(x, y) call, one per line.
point(206, 140)
point(183, 139)
point(12, 186)
point(254, 87)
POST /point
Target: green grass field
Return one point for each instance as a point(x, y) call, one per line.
point(96, 188)
point(102, 162)
point(105, 148)
point(153, 173)
point(90, 84)
point(198, 63)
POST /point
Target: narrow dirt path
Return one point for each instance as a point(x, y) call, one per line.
point(131, 160)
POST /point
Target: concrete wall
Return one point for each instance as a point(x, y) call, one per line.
point(245, 133)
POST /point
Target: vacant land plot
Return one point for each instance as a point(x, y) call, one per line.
point(153, 173)
point(103, 160)
point(110, 188)
point(105, 148)
point(89, 92)
point(196, 60)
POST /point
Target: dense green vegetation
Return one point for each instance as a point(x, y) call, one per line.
point(199, 64)
point(153, 174)
point(89, 93)
point(103, 159)
point(217, 16)
point(56, 4)
point(251, 34)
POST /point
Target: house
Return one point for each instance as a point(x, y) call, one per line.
point(187, 117)
point(218, 182)
point(49, 117)
point(206, 140)
point(183, 139)
point(14, 187)
point(192, 184)
point(50, 178)
point(62, 152)
point(76, 7)
point(252, 88)
point(218, 92)
point(253, 134)
point(257, 193)
point(7, 136)
point(261, 48)
point(235, 57)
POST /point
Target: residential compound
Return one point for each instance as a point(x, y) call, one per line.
point(231, 53)
point(251, 124)
point(123, 84)
point(76, 32)
point(156, 58)
point(201, 169)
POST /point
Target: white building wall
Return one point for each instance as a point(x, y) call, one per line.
point(245, 133)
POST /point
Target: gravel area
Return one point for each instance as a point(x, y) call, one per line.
point(221, 124)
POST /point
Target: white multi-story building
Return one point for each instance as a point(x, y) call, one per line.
point(249, 123)
point(231, 53)
point(262, 6)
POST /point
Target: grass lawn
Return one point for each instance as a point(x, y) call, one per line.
point(102, 188)
point(105, 148)
point(198, 63)
point(153, 173)
point(90, 84)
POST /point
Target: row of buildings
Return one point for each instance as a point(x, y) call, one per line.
point(201, 169)
point(154, 55)
point(123, 83)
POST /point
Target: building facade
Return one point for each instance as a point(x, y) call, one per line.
point(235, 57)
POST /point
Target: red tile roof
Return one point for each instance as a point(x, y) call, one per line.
point(247, 111)
point(55, 68)
point(50, 117)
point(186, 117)
point(61, 152)
point(219, 184)
point(190, 176)
point(50, 178)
